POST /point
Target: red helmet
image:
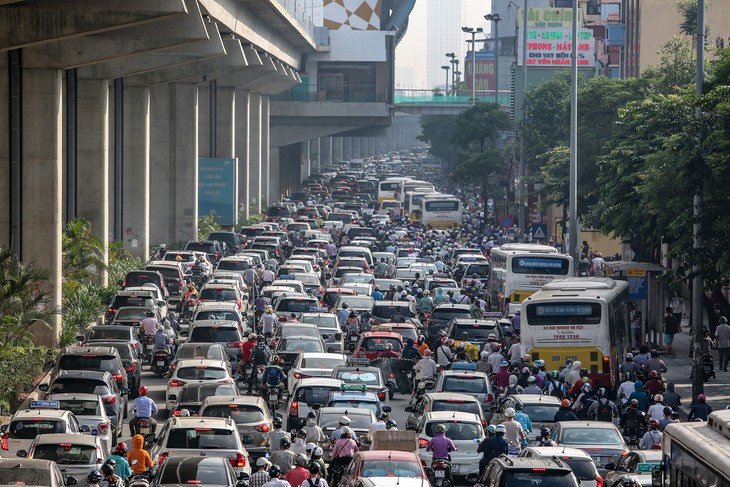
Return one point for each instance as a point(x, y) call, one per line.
point(143, 390)
point(121, 447)
point(653, 373)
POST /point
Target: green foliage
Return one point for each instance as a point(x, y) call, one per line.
point(251, 220)
point(19, 369)
point(208, 224)
point(437, 131)
point(82, 250)
point(81, 306)
point(554, 175)
point(677, 68)
point(478, 128)
point(24, 299)
point(547, 118)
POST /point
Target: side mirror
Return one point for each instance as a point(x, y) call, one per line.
point(85, 428)
point(316, 406)
point(80, 338)
point(493, 409)
point(4, 428)
point(247, 439)
point(69, 481)
point(120, 283)
point(161, 302)
point(150, 438)
point(387, 409)
point(21, 453)
point(123, 391)
point(610, 466)
point(43, 387)
point(243, 476)
point(408, 409)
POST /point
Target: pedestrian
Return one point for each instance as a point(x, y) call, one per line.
point(677, 305)
point(671, 327)
point(722, 338)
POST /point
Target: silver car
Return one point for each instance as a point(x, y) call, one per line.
point(89, 411)
point(76, 455)
point(329, 329)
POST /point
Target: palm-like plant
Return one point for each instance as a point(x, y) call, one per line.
point(82, 251)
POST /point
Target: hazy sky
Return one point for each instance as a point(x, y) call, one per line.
point(410, 57)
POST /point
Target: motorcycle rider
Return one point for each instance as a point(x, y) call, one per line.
point(493, 447)
point(149, 325)
point(161, 340)
point(110, 478)
point(298, 474)
point(632, 421)
point(565, 412)
point(409, 351)
point(602, 409)
point(515, 435)
point(425, 305)
point(389, 352)
point(267, 322)
point(343, 315)
point(272, 441)
point(188, 297)
point(259, 356)
point(545, 439)
point(441, 446)
point(343, 451)
point(314, 432)
point(119, 456)
point(425, 369)
point(656, 410)
point(94, 478)
point(700, 410)
point(522, 418)
point(483, 365)
point(275, 475)
point(143, 408)
point(344, 422)
point(283, 457)
point(274, 376)
point(138, 457)
point(652, 439)
point(444, 356)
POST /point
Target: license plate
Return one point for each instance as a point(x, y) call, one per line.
point(454, 468)
point(353, 339)
point(160, 363)
point(439, 473)
point(272, 396)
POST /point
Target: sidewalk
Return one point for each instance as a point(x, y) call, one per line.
point(679, 369)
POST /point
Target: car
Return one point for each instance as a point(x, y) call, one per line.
point(380, 468)
point(234, 263)
point(88, 409)
point(132, 316)
point(197, 470)
point(174, 275)
point(292, 284)
point(314, 364)
point(509, 471)
point(311, 281)
point(360, 288)
point(349, 398)
point(331, 294)
point(600, 439)
point(131, 361)
point(93, 358)
point(286, 305)
point(228, 280)
point(360, 421)
point(159, 295)
point(200, 350)
point(191, 396)
point(201, 437)
point(212, 248)
point(138, 279)
point(105, 333)
point(307, 394)
point(442, 315)
point(43, 417)
point(464, 429)
point(358, 278)
point(295, 329)
point(374, 343)
point(341, 271)
point(434, 282)
point(250, 413)
point(444, 401)
point(405, 330)
point(289, 347)
point(384, 310)
point(465, 380)
point(78, 455)
point(225, 293)
point(124, 298)
point(579, 462)
point(305, 263)
point(227, 333)
point(540, 408)
point(218, 311)
point(359, 375)
point(329, 329)
point(348, 251)
point(25, 471)
point(478, 331)
point(188, 259)
point(234, 240)
point(638, 463)
point(386, 284)
point(196, 371)
point(91, 382)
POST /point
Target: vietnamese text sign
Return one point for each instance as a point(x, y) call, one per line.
point(484, 78)
point(637, 287)
point(550, 17)
point(218, 189)
point(552, 47)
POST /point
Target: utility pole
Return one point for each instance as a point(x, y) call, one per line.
point(573, 240)
point(523, 168)
point(473, 32)
point(698, 285)
point(496, 19)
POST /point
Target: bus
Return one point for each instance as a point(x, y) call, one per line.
point(697, 454)
point(415, 185)
point(412, 203)
point(390, 189)
point(441, 211)
point(517, 270)
point(579, 318)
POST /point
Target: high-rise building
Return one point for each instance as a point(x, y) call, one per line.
point(443, 34)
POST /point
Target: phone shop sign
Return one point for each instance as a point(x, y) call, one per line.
point(552, 47)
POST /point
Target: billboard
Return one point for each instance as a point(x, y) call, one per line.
point(551, 47)
point(218, 189)
point(550, 17)
point(352, 14)
point(484, 77)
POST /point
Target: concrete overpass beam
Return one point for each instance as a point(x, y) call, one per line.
point(136, 174)
point(49, 21)
point(254, 153)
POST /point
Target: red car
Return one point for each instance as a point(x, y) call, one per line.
point(384, 468)
point(374, 343)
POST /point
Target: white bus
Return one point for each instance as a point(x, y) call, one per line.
point(415, 185)
point(441, 211)
point(391, 189)
point(412, 203)
point(517, 270)
point(697, 454)
point(578, 318)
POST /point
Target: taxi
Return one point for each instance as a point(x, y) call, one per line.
point(374, 343)
point(89, 411)
point(43, 417)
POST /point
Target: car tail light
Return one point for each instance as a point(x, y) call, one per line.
point(239, 461)
point(381, 395)
point(134, 345)
point(111, 310)
point(118, 377)
point(176, 383)
point(392, 375)
point(238, 303)
point(376, 322)
point(539, 469)
point(599, 481)
point(489, 398)
point(225, 381)
point(263, 427)
point(4, 441)
point(103, 427)
point(294, 409)
point(484, 423)
point(176, 412)
point(422, 443)
point(162, 457)
point(109, 399)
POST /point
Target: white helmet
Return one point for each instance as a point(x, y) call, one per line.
point(426, 292)
point(509, 412)
point(344, 420)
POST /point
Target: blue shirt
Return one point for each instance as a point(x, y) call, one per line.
point(342, 316)
point(143, 407)
point(161, 341)
point(524, 420)
point(377, 295)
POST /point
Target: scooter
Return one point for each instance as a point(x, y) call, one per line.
point(161, 363)
point(149, 348)
point(441, 473)
point(352, 338)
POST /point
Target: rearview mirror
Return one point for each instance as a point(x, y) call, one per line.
point(161, 303)
point(150, 438)
point(387, 409)
point(69, 481)
point(43, 387)
point(21, 453)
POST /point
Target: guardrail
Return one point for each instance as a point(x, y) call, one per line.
point(342, 93)
point(436, 97)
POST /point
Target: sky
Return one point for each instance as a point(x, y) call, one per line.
point(410, 56)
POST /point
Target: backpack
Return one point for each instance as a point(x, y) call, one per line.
point(604, 412)
point(587, 403)
point(273, 376)
point(657, 443)
point(259, 355)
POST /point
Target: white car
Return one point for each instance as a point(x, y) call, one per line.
point(196, 371)
point(579, 462)
point(89, 411)
point(44, 417)
point(313, 364)
point(464, 429)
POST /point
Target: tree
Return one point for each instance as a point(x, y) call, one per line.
point(82, 251)
point(554, 176)
point(677, 68)
point(208, 224)
point(546, 122)
point(437, 131)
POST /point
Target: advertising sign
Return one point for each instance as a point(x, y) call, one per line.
point(218, 189)
point(550, 17)
point(484, 78)
point(552, 47)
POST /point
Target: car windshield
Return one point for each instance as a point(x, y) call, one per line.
point(233, 265)
point(583, 468)
point(26, 476)
point(80, 408)
point(199, 350)
point(329, 298)
point(79, 386)
point(218, 294)
point(378, 344)
point(464, 383)
point(390, 468)
point(541, 412)
point(481, 270)
point(27, 429)
point(198, 394)
point(104, 363)
point(124, 301)
point(299, 345)
point(217, 315)
point(357, 421)
point(169, 273)
point(457, 405)
point(66, 453)
point(450, 313)
point(216, 334)
point(321, 362)
point(530, 478)
point(589, 436)
point(237, 412)
point(203, 439)
point(475, 332)
point(125, 352)
point(307, 279)
point(138, 279)
point(314, 395)
point(208, 248)
point(289, 329)
point(109, 333)
point(201, 372)
point(296, 305)
point(456, 430)
point(386, 311)
point(195, 471)
point(172, 256)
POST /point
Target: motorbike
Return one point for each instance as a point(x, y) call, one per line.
point(141, 480)
point(161, 363)
point(441, 473)
point(352, 338)
point(144, 427)
point(149, 348)
point(188, 306)
point(274, 398)
point(423, 386)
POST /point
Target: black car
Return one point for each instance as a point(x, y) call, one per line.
point(198, 470)
point(213, 248)
point(442, 315)
point(273, 211)
point(234, 240)
point(140, 278)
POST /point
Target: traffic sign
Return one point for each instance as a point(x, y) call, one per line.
point(539, 231)
point(506, 221)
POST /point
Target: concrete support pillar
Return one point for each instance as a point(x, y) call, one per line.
point(348, 151)
point(136, 179)
point(242, 118)
point(306, 161)
point(342, 150)
point(205, 145)
point(254, 152)
point(226, 122)
point(277, 172)
point(5, 239)
point(267, 194)
point(331, 150)
point(92, 159)
point(174, 156)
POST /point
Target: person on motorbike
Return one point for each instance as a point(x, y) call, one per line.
point(119, 456)
point(314, 432)
point(343, 451)
point(425, 305)
point(492, 447)
point(299, 474)
point(246, 355)
point(316, 476)
point(110, 478)
point(391, 425)
point(545, 439)
point(352, 323)
point(640, 396)
point(444, 356)
point(149, 324)
point(398, 316)
point(94, 478)
point(441, 446)
point(515, 433)
point(565, 412)
point(160, 254)
point(260, 305)
point(260, 354)
point(633, 421)
point(700, 410)
point(603, 409)
point(655, 384)
point(343, 315)
point(283, 457)
point(343, 423)
point(174, 324)
point(273, 438)
point(161, 340)
point(522, 418)
point(652, 439)
point(274, 376)
point(267, 322)
point(483, 365)
point(376, 294)
point(275, 478)
point(656, 410)
point(138, 457)
point(143, 408)
point(389, 352)
point(425, 369)
point(409, 351)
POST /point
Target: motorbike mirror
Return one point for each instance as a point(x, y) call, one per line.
point(69, 481)
point(387, 409)
point(657, 476)
point(243, 476)
point(610, 466)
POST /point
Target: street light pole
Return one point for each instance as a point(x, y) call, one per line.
point(573, 240)
point(446, 90)
point(495, 18)
point(452, 56)
point(473, 32)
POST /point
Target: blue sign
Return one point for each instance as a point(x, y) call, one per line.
point(286, 277)
point(539, 231)
point(564, 310)
point(637, 287)
point(464, 366)
point(45, 404)
point(539, 263)
point(506, 221)
point(218, 189)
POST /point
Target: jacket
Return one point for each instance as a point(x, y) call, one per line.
point(640, 396)
point(138, 457)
